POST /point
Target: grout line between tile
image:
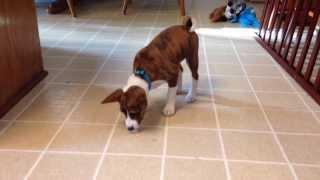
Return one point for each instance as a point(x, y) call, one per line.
point(11, 122)
point(168, 127)
point(222, 146)
point(204, 89)
point(43, 88)
point(134, 155)
point(98, 167)
point(299, 94)
point(73, 57)
point(64, 37)
point(164, 150)
point(70, 113)
point(154, 24)
point(160, 157)
point(105, 149)
point(217, 89)
point(185, 73)
point(52, 26)
point(275, 136)
point(165, 138)
point(173, 127)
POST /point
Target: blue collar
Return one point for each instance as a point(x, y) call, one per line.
point(143, 75)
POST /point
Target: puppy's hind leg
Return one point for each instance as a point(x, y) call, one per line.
point(180, 91)
point(192, 94)
point(170, 107)
point(193, 63)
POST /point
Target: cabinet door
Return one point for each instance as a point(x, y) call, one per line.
point(20, 52)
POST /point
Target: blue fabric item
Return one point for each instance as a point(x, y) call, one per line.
point(247, 18)
point(143, 75)
point(234, 19)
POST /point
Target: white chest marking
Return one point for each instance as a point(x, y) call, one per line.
point(156, 84)
point(136, 81)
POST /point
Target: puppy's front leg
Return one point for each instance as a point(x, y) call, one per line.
point(170, 108)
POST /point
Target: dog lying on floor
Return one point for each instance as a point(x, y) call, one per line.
point(229, 12)
point(157, 63)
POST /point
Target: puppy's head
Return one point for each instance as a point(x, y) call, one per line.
point(234, 8)
point(133, 104)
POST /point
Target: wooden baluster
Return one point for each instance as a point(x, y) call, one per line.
point(305, 49)
point(279, 22)
point(274, 19)
point(303, 17)
point(72, 8)
point(312, 62)
point(288, 12)
point(267, 23)
point(263, 18)
point(292, 28)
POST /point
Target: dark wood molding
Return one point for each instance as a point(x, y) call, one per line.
point(21, 93)
point(21, 65)
point(308, 87)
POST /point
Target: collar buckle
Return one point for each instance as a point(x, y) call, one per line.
point(143, 75)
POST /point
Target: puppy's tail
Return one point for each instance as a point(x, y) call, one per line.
point(189, 23)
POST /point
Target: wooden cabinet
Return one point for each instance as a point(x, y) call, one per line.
point(21, 65)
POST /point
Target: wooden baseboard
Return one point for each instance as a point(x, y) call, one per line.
point(22, 92)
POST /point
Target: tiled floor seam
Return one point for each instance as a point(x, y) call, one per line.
point(105, 149)
point(185, 73)
point(165, 138)
point(164, 150)
point(51, 26)
point(41, 90)
point(65, 36)
point(160, 157)
point(201, 89)
point(276, 138)
point(100, 162)
point(218, 89)
point(299, 95)
point(222, 146)
point(164, 158)
point(69, 114)
point(11, 122)
point(72, 58)
point(173, 127)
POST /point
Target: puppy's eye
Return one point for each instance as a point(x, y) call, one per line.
point(133, 114)
point(230, 3)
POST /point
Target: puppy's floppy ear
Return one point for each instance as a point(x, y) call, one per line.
point(113, 97)
point(218, 14)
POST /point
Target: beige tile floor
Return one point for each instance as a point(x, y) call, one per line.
point(251, 121)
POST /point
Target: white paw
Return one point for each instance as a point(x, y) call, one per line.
point(190, 98)
point(181, 92)
point(169, 110)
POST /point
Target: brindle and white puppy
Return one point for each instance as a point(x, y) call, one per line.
point(160, 61)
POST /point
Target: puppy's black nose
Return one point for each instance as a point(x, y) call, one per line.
point(130, 128)
point(232, 11)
